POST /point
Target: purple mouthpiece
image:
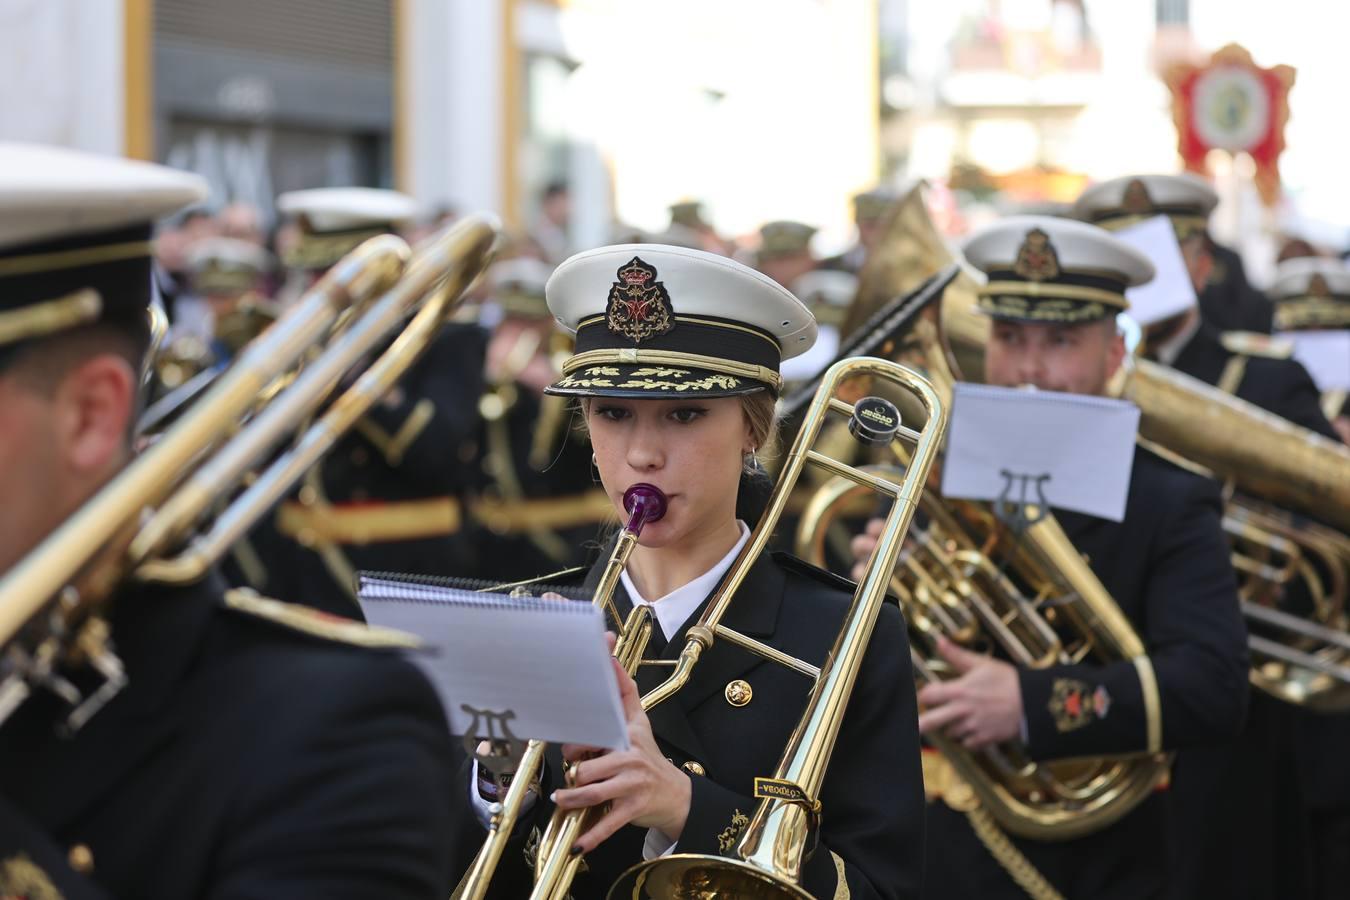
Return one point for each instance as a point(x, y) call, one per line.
point(645, 503)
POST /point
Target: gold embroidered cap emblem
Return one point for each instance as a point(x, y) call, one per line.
point(1036, 258)
point(739, 692)
point(1136, 199)
point(638, 306)
point(1317, 286)
point(1074, 703)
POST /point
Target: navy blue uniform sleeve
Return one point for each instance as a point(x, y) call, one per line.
point(872, 803)
point(1192, 686)
point(349, 795)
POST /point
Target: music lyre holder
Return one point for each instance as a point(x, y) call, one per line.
point(504, 748)
point(1021, 514)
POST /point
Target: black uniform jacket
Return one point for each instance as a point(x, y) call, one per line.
point(406, 466)
point(245, 759)
point(1167, 566)
point(1229, 302)
point(560, 481)
point(1281, 386)
point(871, 840)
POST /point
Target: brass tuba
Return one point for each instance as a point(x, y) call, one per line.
point(953, 581)
point(148, 522)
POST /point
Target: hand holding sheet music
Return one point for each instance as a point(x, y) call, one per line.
point(508, 667)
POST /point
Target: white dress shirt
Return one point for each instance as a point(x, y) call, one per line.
point(671, 611)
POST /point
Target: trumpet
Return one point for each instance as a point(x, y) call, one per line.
point(142, 524)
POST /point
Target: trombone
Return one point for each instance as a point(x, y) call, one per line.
point(773, 846)
point(137, 524)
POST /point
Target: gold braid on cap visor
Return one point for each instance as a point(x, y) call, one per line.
point(627, 356)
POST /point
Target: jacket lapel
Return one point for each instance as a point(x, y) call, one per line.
point(753, 612)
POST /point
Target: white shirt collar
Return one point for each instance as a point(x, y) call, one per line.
point(675, 608)
point(1169, 350)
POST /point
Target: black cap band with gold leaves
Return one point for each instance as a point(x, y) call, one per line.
point(1044, 269)
point(660, 321)
point(1311, 294)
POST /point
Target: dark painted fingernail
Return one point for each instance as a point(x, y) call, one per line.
point(576, 849)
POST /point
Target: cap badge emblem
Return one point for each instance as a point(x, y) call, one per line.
point(1036, 259)
point(1136, 200)
point(1317, 286)
point(638, 307)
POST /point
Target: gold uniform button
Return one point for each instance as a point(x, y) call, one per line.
point(739, 692)
point(81, 859)
point(694, 768)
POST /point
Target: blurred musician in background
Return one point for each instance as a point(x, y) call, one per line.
point(870, 209)
point(1247, 365)
point(690, 420)
point(391, 495)
point(784, 252)
point(539, 509)
point(1313, 294)
point(253, 751)
point(1056, 287)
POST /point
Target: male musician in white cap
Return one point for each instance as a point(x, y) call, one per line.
point(252, 751)
point(1247, 365)
point(392, 495)
point(1054, 289)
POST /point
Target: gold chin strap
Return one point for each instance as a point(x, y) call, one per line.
point(50, 316)
point(674, 359)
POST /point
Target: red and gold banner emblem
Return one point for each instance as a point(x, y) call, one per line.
point(1232, 104)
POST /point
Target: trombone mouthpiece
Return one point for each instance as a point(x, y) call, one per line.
point(645, 503)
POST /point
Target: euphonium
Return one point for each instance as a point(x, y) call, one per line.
point(951, 581)
point(142, 523)
point(1276, 473)
point(767, 859)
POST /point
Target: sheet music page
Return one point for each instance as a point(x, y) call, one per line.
point(539, 667)
point(1171, 291)
point(1019, 444)
point(1325, 354)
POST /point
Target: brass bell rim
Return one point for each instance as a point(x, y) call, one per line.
point(725, 877)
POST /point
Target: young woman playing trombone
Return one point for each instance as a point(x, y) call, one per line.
point(676, 374)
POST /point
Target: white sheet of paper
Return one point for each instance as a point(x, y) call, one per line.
point(1170, 292)
point(1325, 354)
point(543, 660)
point(1085, 445)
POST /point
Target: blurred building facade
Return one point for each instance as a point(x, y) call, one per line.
point(762, 108)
